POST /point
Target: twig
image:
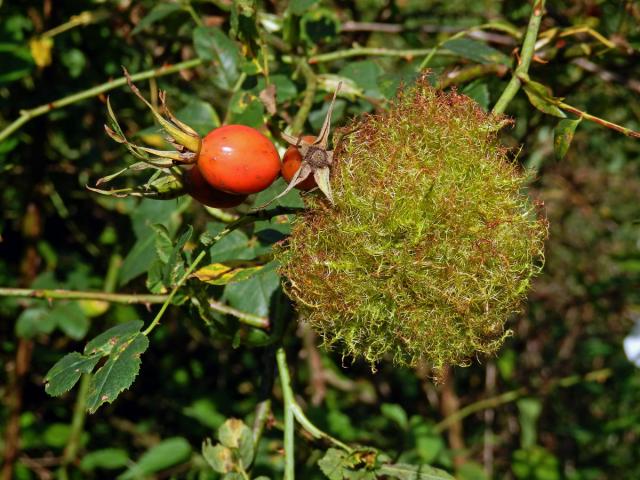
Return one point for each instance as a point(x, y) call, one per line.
point(244, 317)
point(373, 51)
point(600, 121)
point(528, 49)
point(513, 395)
point(58, 294)
point(26, 115)
point(129, 298)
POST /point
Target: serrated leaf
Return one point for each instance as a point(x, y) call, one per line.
point(211, 44)
point(157, 13)
point(118, 373)
point(169, 452)
point(175, 268)
point(219, 457)
point(66, 372)
point(221, 274)
point(403, 471)
point(334, 462)
point(563, 135)
point(234, 434)
point(163, 242)
point(106, 341)
point(476, 51)
point(542, 98)
point(142, 255)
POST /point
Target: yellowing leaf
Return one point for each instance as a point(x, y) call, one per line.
point(221, 274)
point(41, 50)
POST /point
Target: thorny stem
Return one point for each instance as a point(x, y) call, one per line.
point(293, 411)
point(528, 48)
point(26, 115)
point(513, 395)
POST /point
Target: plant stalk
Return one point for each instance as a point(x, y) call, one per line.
point(287, 392)
point(526, 54)
point(26, 115)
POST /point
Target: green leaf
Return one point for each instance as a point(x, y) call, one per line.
point(118, 373)
point(199, 115)
point(163, 242)
point(107, 458)
point(365, 74)
point(168, 453)
point(104, 343)
point(479, 91)
point(541, 97)
point(34, 321)
point(476, 51)
point(254, 295)
point(403, 471)
point(234, 434)
point(395, 413)
point(157, 13)
point(563, 135)
point(219, 457)
point(334, 462)
point(234, 246)
point(470, 470)
point(204, 411)
point(141, 256)
point(175, 268)
point(211, 44)
point(529, 412)
point(66, 372)
point(221, 274)
point(246, 109)
point(16, 62)
point(71, 319)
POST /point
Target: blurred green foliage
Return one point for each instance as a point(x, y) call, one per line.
point(202, 366)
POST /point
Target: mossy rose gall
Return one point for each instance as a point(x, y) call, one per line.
point(431, 241)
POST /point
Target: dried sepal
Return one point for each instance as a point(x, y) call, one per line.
point(317, 159)
point(159, 187)
point(181, 134)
